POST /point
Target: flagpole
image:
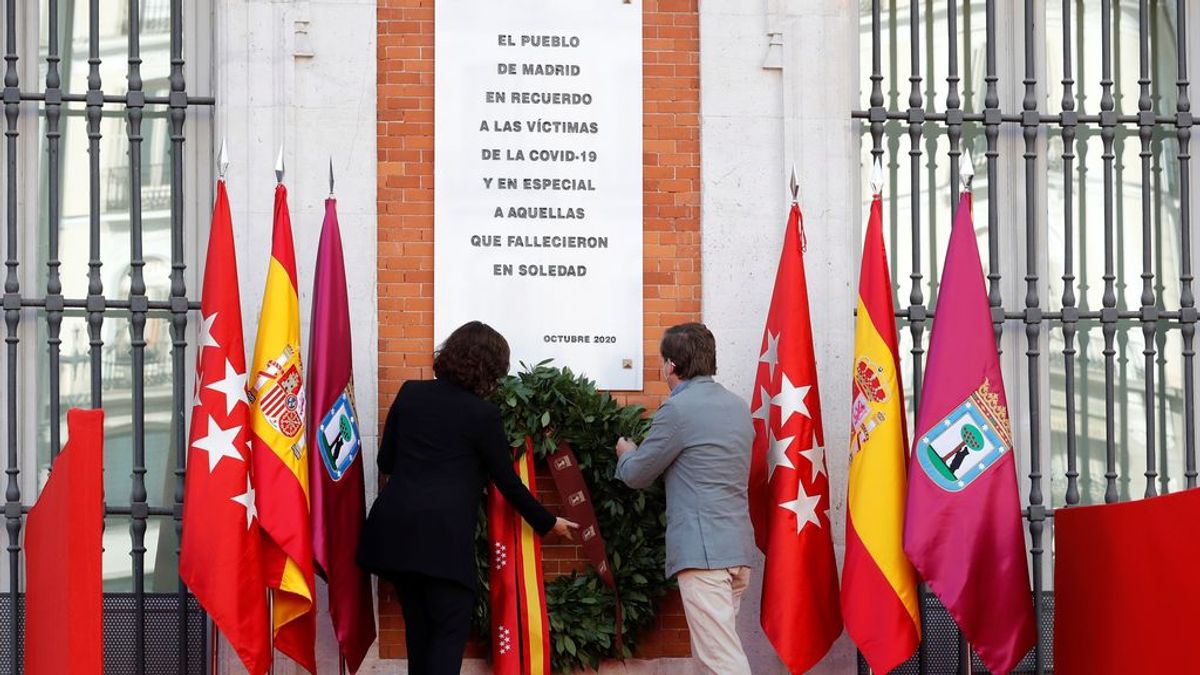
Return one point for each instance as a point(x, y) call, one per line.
point(966, 171)
point(270, 594)
point(876, 193)
point(794, 185)
point(271, 621)
point(214, 644)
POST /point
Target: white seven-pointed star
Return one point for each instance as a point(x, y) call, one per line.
point(790, 399)
point(206, 337)
point(777, 453)
point(805, 508)
point(233, 386)
point(218, 443)
point(246, 499)
point(771, 355)
point(764, 407)
point(816, 457)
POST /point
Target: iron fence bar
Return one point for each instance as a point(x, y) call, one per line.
point(991, 132)
point(1108, 318)
point(1086, 315)
point(1149, 303)
point(954, 122)
point(135, 101)
point(179, 307)
point(954, 112)
point(1121, 133)
point(1156, 169)
point(1048, 315)
point(1070, 313)
point(95, 302)
point(891, 131)
point(1018, 118)
point(152, 306)
point(876, 84)
point(967, 91)
point(39, 96)
point(119, 510)
point(159, 511)
point(893, 77)
point(933, 209)
point(1033, 320)
point(916, 128)
point(54, 308)
point(12, 319)
point(1187, 302)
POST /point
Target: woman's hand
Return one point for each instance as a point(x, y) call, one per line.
point(564, 528)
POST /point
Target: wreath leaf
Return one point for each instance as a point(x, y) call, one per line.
point(633, 522)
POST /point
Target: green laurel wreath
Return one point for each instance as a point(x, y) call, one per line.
point(550, 404)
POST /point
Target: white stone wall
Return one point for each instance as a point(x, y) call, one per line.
point(755, 123)
point(301, 75)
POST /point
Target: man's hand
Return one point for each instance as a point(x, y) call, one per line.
point(564, 527)
point(624, 445)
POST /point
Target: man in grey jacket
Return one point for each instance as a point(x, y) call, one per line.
point(700, 439)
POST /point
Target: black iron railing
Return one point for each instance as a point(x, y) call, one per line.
point(1093, 366)
point(144, 632)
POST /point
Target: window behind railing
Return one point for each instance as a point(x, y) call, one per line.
point(98, 289)
point(1077, 117)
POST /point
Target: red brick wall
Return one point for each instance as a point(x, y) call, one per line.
point(671, 132)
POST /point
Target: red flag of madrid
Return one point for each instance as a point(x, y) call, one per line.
point(219, 557)
point(789, 481)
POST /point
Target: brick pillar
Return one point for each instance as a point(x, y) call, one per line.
point(671, 136)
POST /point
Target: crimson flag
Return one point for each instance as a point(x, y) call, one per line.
point(1126, 591)
point(789, 481)
point(63, 543)
point(335, 461)
point(220, 558)
point(962, 522)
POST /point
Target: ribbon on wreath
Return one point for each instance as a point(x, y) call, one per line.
point(577, 500)
point(520, 625)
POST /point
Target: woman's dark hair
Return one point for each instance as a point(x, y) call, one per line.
point(692, 348)
point(474, 357)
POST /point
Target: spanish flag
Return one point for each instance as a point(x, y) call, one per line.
point(280, 458)
point(879, 585)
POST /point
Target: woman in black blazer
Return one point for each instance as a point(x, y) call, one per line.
point(442, 442)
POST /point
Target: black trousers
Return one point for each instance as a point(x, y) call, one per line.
point(437, 621)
